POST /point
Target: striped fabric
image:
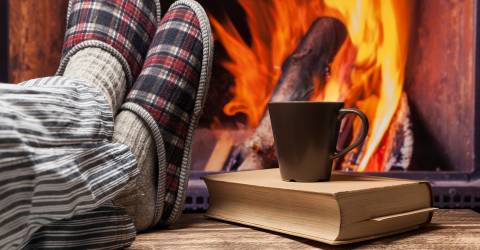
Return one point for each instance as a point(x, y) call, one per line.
point(106, 227)
point(169, 95)
point(56, 159)
point(122, 27)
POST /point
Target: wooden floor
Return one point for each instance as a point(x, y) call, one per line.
point(450, 229)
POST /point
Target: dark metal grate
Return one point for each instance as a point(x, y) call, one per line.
point(197, 195)
point(456, 197)
point(446, 194)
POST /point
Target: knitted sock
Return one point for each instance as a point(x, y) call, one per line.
point(124, 28)
point(169, 95)
point(139, 196)
point(102, 70)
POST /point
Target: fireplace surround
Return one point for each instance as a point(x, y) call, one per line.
point(441, 83)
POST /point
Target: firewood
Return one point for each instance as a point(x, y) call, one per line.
point(396, 147)
point(310, 59)
point(220, 152)
point(401, 151)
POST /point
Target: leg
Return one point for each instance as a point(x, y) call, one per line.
point(167, 99)
point(106, 43)
point(107, 227)
point(56, 161)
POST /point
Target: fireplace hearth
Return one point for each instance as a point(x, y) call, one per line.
point(438, 96)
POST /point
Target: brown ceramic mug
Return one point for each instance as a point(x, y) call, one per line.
point(306, 134)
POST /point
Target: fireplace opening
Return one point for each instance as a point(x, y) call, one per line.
point(409, 65)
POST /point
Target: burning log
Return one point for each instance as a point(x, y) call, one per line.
point(310, 59)
point(401, 150)
point(396, 146)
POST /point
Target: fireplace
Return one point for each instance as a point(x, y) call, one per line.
point(426, 128)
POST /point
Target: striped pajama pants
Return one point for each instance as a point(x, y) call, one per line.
point(59, 169)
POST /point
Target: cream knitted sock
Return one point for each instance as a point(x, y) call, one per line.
point(102, 70)
point(139, 196)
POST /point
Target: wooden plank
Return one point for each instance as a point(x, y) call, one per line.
point(36, 30)
point(3, 41)
point(449, 229)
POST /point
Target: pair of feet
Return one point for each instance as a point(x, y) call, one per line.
point(167, 64)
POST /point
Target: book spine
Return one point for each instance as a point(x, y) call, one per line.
point(431, 201)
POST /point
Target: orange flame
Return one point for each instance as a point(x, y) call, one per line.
point(367, 73)
point(256, 67)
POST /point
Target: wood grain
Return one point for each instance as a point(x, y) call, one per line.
point(35, 32)
point(3, 41)
point(450, 229)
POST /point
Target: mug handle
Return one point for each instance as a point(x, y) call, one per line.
point(363, 131)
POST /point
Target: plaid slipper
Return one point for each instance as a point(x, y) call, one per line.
point(123, 28)
point(169, 95)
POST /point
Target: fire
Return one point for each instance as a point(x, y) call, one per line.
point(367, 72)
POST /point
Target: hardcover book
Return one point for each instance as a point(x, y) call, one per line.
point(347, 209)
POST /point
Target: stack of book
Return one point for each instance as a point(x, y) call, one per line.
point(347, 209)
